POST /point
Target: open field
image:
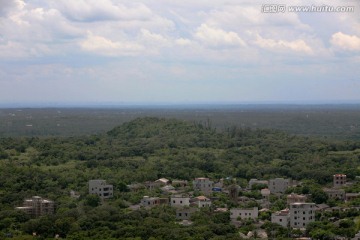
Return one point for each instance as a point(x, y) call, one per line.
point(327, 121)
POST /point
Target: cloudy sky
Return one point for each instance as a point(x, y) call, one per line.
point(177, 51)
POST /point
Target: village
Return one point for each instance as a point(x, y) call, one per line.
point(252, 205)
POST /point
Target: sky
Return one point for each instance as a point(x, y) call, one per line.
point(177, 51)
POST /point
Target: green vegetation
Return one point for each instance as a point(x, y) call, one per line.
point(147, 149)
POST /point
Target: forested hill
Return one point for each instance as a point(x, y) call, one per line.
point(148, 148)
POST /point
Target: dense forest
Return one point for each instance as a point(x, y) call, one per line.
point(146, 149)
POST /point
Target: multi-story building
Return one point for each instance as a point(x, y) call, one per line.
point(295, 198)
point(281, 217)
point(201, 202)
point(185, 213)
point(37, 206)
point(179, 201)
point(335, 193)
point(279, 185)
point(301, 214)
point(339, 180)
point(204, 185)
point(100, 188)
point(244, 213)
point(150, 201)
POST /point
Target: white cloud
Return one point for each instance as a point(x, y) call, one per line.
point(345, 42)
point(94, 10)
point(107, 47)
point(216, 37)
point(7, 6)
point(298, 45)
point(153, 38)
point(183, 42)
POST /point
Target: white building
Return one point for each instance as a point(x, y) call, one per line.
point(301, 214)
point(204, 185)
point(100, 188)
point(279, 185)
point(339, 180)
point(281, 217)
point(201, 202)
point(179, 201)
point(244, 213)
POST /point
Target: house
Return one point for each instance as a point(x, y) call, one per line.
point(74, 194)
point(185, 213)
point(334, 193)
point(321, 207)
point(279, 185)
point(179, 183)
point(201, 202)
point(254, 181)
point(37, 206)
point(339, 180)
point(281, 217)
point(147, 201)
point(265, 192)
point(135, 187)
point(180, 201)
point(168, 189)
point(351, 196)
point(301, 214)
point(244, 213)
point(203, 185)
point(100, 188)
point(295, 198)
point(163, 181)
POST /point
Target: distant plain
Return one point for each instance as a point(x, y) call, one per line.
point(322, 121)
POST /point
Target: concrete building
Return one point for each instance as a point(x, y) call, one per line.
point(281, 217)
point(203, 185)
point(200, 202)
point(279, 185)
point(179, 183)
point(295, 198)
point(339, 180)
point(351, 196)
point(147, 201)
point(301, 214)
point(254, 181)
point(100, 188)
point(265, 193)
point(334, 193)
point(37, 206)
point(244, 213)
point(185, 213)
point(179, 201)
